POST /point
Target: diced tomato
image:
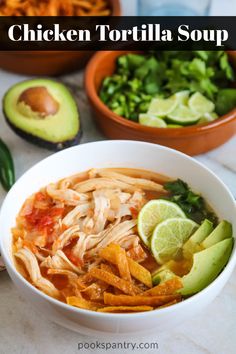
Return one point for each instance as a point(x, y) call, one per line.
point(40, 196)
point(74, 259)
point(134, 212)
point(43, 219)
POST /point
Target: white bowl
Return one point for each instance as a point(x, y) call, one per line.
point(116, 154)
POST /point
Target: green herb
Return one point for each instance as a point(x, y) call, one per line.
point(191, 203)
point(7, 174)
point(226, 101)
point(140, 77)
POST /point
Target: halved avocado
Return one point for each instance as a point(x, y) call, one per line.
point(43, 112)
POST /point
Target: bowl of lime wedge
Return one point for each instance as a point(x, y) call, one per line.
point(183, 100)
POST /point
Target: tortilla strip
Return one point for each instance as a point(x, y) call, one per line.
point(168, 304)
point(137, 271)
point(122, 263)
point(140, 273)
point(167, 288)
point(137, 300)
point(115, 309)
point(95, 290)
point(124, 285)
point(109, 268)
point(82, 303)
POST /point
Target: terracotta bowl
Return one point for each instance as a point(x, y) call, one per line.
point(49, 62)
point(191, 140)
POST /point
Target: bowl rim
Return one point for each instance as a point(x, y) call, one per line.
point(93, 66)
point(10, 264)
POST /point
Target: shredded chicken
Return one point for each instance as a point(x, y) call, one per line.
point(97, 208)
point(69, 196)
point(31, 264)
point(137, 182)
point(65, 238)
point(78, 212)
point(102, 206)
point(60, 261)
point(98, 183)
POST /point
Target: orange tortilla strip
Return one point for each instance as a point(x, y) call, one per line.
point(169, 304)
point(95, 291)
point(82, 303)
point(122, 263)
point(140, 273)
point(124, 285)
point(137, 300)
point(125, 309)
point(167, 288)
point(109, 268)
point(137, 271)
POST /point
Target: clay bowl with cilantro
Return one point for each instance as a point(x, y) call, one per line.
point(183, 100)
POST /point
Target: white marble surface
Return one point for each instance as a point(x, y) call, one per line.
point(25, 331)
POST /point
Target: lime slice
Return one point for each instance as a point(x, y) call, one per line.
point(208, 117)
point(155, 212)
point(161, 276)
point(151, 120)
point(183, 115)
point(162, 107)
point(174, 126)
point(200, 104)
point(169, 236)
point(182, 97)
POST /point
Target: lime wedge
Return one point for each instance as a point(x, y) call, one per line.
point(200, 104)
point(182, 97)
point(155, 212)
point(183, 115)
point(174, 126)
point(162, 107)
point(208, 117)
point(162, 275)
point(169, 236)
point(151, 120)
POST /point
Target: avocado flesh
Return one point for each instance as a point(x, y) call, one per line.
point(193, 243)
point(221, 232)
point(54, 131)
point(207, 265)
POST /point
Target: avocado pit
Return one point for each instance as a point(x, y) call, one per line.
point(43, 112)
point(37, 102)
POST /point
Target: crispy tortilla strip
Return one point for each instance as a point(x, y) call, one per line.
point(137, 271)
point(109, 268)
point(122, 263)
point(140, 273)
point(82, 303)
point(167, 288)
point(137, 300)
point(109, 278)
point(169, 304)
point(116, 309)
point(95, 291)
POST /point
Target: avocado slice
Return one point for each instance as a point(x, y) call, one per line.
point(207, 265)
point(221, 232)
point(193, 243)
point(43, 112)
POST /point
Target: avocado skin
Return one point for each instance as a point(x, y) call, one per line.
point(44, 143)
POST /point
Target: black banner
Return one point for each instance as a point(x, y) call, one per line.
point(115, 33)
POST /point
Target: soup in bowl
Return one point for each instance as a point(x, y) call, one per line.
point(118, 237)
